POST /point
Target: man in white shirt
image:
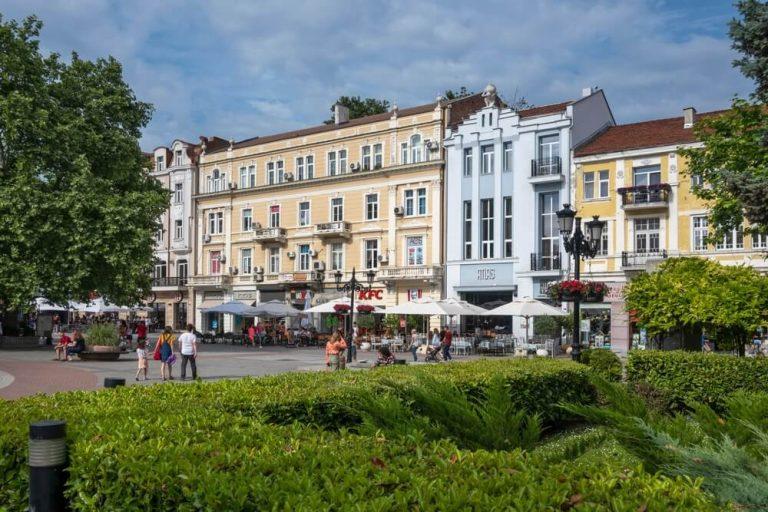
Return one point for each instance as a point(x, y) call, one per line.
point(188, 348)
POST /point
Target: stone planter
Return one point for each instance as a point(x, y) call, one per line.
point(101, 349)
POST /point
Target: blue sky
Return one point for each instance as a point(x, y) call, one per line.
point(240, 69)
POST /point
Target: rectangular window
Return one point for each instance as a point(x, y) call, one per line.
point(549, 150)
point(733, 239)
point(549, 232)
point(304, 258)
point(304, 218)
point(366, 158)
point(178, 193)
point(245, 261)
point(178, 156)
point(181, 269)
point(403, 153)
point(247, 220)
point(421, 201)
point(647, 235)
point(337, 209)
point(486, 223)
point(159, 236)
point(251, 176)
point(178, 229)
point(300, 168)
point(414, 246)
point(332, 171)
point(467, 161)
point(274, 216)
point(274, 260)
point(337, 256)
point(280, 171)
point(378, 156)
point(371, 254)
point(243, 177)
point(647, 175)
point(467, 230)
point(697, 181)
point(507, 226)
point(603, 248)
point(342, 161)
point(215, 223)
point(759, 241)
point(309, 161)
point(589, 185)
point(487, 159)
point(409, 203)
point(161, 270)
point(159, 163)
point(371, 206)
point(604, 184)
point(507, 157)
point(700, 232)
point(271, 173)
point(215, 262)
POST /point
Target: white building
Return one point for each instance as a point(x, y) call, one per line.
point(507, 173)
point(176, 168)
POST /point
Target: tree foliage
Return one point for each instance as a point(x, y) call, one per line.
point(359, 107)
point(451, 94)
point(733, 161)
point(728, 301)
point(78, 208)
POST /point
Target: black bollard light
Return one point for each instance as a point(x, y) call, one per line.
point(47, 466)
point(113, 382)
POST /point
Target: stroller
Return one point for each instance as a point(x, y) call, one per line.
point(433, 354)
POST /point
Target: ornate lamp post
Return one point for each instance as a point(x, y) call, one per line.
point(352, 286)
point(580, 246)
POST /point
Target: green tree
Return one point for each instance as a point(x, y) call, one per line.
point(359, 107)
point(686, 294)
point(463, 92)
point(78, 208)
point(733, 161)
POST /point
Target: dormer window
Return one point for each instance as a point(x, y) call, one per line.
point(178, 159)
point(159, 163)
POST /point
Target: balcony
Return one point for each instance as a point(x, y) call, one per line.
point(540, 262)
point(415, 273)
point(641, 260)
point(333, 230)
point(215, 281)
point(645, 197)
point(168, 283)
point(269, 235)
point(546, 170)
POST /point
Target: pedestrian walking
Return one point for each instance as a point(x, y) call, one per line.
point(252, 335)
point(141, 354)
point(260, 334)
point(447, 341)
point(188, 349)
point(415, 344)
point(334, 352)
point(164, 353)
point(141, 331)
point(355, 341)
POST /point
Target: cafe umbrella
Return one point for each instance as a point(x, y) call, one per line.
point(527, 308)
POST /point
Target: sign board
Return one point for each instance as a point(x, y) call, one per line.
point(585, 325)
point(371, 294)
point(487, 274)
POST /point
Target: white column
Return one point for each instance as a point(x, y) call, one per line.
point(620, 224)
point(436, 229)
point(674, 205)
point(392, 227)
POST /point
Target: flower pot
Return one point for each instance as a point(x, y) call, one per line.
point(569, 297)
point(592, 298)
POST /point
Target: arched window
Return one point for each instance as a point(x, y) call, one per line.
point(416, 149)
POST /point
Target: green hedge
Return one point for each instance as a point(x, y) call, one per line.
point(215, 447)
point(604, 362)
point(686, 377)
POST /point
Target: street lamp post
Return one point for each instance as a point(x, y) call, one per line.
point(580, 246)
point(352, 286)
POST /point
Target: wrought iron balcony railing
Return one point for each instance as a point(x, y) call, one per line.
point(546, 167)
point(544, 262)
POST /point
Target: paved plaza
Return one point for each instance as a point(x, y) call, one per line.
point(30, 371)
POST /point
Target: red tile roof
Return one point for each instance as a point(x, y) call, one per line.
point(544, 109)
point(645, 134)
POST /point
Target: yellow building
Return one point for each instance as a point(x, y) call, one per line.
point(633, 177)
point(362, 194)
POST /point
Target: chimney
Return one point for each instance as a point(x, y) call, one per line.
point(586, 91)
point(689, 115)
point(340, 114)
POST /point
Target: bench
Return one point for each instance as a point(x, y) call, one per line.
point(99, 356)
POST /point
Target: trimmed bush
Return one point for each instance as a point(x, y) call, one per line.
point(687, 377)
point(604, 362)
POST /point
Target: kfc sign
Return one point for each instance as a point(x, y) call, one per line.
point(370, 295)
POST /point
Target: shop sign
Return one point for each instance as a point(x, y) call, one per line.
point(371, 294)
point(245, 296)
point(487, 274)
point(213, 295)
point(615, 292)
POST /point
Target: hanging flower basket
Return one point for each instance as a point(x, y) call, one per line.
point(585, 291)
point(365, 309)
point(342, 309)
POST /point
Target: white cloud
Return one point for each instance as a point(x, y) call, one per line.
point(239, 69)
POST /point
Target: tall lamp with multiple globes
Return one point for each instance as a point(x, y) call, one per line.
point(352, 286)
point(580, 246)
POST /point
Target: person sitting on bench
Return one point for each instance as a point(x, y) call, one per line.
point(77, 347)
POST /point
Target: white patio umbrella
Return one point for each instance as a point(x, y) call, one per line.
point(275, 309)
point(43, 305)
point(99, 305)
point(328, 307)
point(233, 307)
point(527, 308)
